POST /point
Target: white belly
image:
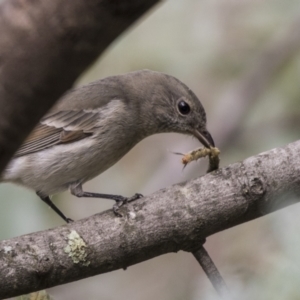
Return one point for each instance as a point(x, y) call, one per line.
point(52, 170)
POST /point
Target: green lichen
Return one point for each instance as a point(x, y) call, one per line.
point(76, 249)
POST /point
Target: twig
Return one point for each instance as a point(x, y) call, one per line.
point(211, 271)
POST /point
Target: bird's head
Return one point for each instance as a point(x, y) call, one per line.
point(168, 105)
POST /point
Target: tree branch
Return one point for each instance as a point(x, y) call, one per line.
point(175, 218)
point(44, 47)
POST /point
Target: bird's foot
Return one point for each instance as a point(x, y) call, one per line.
point(123, 200)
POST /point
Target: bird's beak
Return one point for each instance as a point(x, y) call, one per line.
point(204, 138)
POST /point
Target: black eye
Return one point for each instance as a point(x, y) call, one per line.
point(183, 107)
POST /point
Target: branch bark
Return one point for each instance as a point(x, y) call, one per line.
point(44, 47)
point(176, 218)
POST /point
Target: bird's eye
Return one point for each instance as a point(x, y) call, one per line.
point(183, 107)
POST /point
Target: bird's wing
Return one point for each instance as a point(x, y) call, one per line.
point(59, 127)
point(74, 116)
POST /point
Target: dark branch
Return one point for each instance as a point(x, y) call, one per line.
point(176, 218)
point(212, 272)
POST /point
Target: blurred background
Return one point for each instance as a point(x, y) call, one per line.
point(242, 59)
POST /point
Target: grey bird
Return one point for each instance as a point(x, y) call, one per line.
point(92, 127)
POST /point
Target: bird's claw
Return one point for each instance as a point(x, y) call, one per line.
point(135, 197)
point(123, 201)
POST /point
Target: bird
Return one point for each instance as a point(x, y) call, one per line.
point(92, 127)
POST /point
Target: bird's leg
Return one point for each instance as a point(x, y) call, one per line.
point(48, 201)
point(76, 190)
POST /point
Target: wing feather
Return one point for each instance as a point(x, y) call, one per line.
point(59, 128)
